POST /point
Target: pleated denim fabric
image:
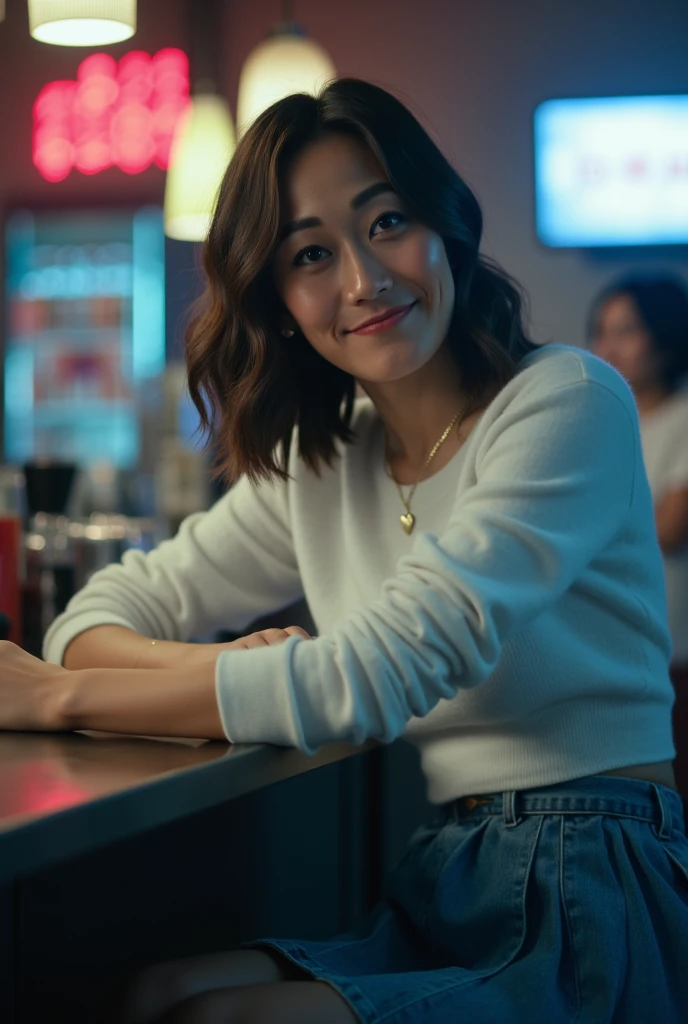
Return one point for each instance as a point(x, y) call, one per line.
point(563, 904)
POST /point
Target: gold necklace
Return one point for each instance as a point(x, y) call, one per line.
point(408, 520)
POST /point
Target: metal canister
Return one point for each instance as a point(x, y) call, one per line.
point(11, 551)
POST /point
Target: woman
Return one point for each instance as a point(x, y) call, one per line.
point(475, 540)
point(640, 325)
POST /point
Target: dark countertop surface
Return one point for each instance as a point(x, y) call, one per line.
point(65, 794)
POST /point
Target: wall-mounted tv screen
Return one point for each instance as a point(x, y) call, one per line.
point(612, 171)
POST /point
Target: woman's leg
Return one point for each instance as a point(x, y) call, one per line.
point(158, 988)
point(296, 1002)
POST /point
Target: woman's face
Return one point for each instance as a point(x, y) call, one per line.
point(351, 252)
point(621, 338)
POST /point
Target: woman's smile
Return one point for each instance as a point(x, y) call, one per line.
point(384, 321)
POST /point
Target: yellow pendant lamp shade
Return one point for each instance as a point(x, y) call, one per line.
point(82, 22)
point(202, 146)
point(288, 61)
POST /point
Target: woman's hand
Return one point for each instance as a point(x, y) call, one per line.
point(264, 638)
point(30, 691)
point(197, 654)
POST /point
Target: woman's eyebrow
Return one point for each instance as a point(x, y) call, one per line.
point(369, 193)
point(356, 203)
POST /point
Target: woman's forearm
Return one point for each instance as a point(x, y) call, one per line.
point(118, 647)
point(149, 702)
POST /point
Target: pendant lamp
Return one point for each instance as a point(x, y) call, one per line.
point(286, 62)
point(202, 146)
point(82, 22)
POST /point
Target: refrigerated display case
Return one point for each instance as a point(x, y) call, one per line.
point(85, 333)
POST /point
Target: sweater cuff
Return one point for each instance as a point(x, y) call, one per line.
point(254, 695)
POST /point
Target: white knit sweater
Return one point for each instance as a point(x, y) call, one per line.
point(518, 637)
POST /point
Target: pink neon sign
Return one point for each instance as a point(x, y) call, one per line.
point(116, 114)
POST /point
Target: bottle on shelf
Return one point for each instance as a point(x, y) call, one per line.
point(11, 552)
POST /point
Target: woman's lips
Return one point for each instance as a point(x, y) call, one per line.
point(395, 317)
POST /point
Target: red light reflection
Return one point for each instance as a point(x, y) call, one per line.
point(36, 788)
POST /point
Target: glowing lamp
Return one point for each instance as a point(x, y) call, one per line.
point(82, 22)
point(286, 62)
point(202, 146)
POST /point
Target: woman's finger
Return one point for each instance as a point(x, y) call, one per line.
point(268, 637)
point(298, 631)
point(274, 635)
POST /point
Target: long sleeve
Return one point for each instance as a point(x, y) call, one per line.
point(555, 478)
point(224, 567)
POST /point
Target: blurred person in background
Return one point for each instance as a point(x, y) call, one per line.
point(640, 325)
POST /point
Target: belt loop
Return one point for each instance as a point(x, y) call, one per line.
point(664, 831)
point(511, 819)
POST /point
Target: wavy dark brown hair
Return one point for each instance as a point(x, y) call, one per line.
point(250, 385)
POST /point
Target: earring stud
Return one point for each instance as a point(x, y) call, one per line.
point(287, 332)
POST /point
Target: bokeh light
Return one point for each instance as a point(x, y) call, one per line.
point(116, 114)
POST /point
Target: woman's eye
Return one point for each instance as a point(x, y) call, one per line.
point(387, 221)
point(307, 257)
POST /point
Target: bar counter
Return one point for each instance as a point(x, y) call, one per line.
point(64, 795)
point(116, 851)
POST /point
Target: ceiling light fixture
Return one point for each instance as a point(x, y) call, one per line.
point(284, 63)
point(82, 22)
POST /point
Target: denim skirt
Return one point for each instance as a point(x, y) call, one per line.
point(543, 906)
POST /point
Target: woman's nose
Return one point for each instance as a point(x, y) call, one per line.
point(364, 276)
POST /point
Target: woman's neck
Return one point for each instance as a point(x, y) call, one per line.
point(417, 409)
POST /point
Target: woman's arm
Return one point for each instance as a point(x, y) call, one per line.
point(671, 518)
point(117, 647)
point(149, 702)
point(224, 568)
point(38, 696)
point(113, 647)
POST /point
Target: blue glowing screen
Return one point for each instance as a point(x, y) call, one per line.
point(612, 171)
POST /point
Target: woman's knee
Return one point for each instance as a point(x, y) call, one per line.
point(201, 1009)
point(308, 1002)
point(158, 988)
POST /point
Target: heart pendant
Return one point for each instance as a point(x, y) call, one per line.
point(408, 521)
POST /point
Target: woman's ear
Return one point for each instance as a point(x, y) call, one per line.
point(288, 325)
point(281, 316)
